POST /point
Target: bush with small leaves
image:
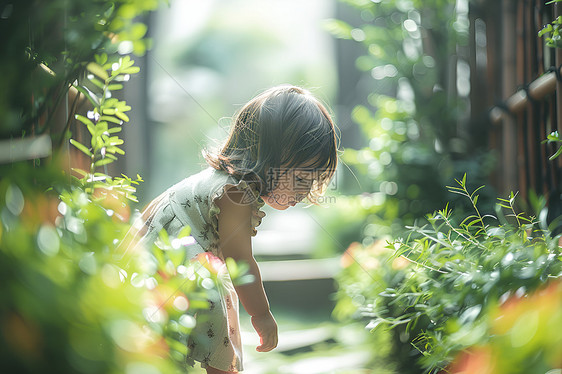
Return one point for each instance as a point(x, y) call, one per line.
point(436, 288)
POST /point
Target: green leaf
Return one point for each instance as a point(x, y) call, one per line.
point(101, 127)
point(101, 58)
point(158, 255)
point(122, 116)
point(138, 31)
point(97, 83)
point(176, 345)
point(114, 140)
point(123, 107)
point(103, 161)
point(131, 70)
point(81, 172)
point(185, 231)
point(81, 147)
point(97, 70)
point(374, 324)
point(111, 102)
point(547, 28)
point(338, 28)
point(558, 153)
point(113, 130)
point(163, 235)
point(553, 136)
point(87, 122)
point(177, 256)
point(115, 149)
point(126, 61)
point(89, 95)
point(111, 119)
point(115, 87)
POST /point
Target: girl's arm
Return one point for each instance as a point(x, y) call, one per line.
point(235, 241)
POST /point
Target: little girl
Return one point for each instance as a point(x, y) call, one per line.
point(281, 149)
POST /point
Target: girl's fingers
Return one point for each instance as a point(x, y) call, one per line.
point(269, 343)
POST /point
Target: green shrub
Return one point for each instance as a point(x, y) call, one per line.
point(435, 289)
point(71, 302)
point(76, 297)
point(46, 47)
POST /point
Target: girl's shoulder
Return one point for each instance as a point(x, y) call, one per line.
point(203, 190)
point(207, 179)
point(236, 195)
point(215, 183)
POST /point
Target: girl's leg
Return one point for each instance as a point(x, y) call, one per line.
point(211, 370)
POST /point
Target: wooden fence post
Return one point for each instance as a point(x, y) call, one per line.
point(509, 164)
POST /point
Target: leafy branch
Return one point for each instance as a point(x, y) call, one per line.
point(551, 33)
point(553, 137)
point(104, 123)
point(470, 220)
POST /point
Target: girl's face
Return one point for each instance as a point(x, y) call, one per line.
point(292, 186)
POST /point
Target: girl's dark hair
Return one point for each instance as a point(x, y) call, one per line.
point(283, 128)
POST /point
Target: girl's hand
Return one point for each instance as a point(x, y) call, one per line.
point(266, 327)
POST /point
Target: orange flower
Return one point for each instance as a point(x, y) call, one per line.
point(211, 262)
point(348, 257)
point(476, 360)
point(400, 263)
point(378, 248)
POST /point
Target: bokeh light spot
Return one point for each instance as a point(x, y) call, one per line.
point(154, 314)
point(207, 283)
point(48, 240)
point(525, 328)
point(110, 275)
point(14, 199)
point(385, 158)
point(62, 208)
point(128, 335)
point(88, 263)
point(187, 321)
point(358, 35)
point(181, 303)
point(410, 25)
point(141, 368)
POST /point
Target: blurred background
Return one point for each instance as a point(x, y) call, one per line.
point(423, 93)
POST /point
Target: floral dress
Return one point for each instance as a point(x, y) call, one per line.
point(215, 341)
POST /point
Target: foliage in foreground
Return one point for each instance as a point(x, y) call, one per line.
point(524, 337)
point(46, 46)
point(437, 292)
point(72, 300)
point(75, 297)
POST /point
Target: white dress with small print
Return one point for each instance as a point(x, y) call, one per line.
point(215, 340)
